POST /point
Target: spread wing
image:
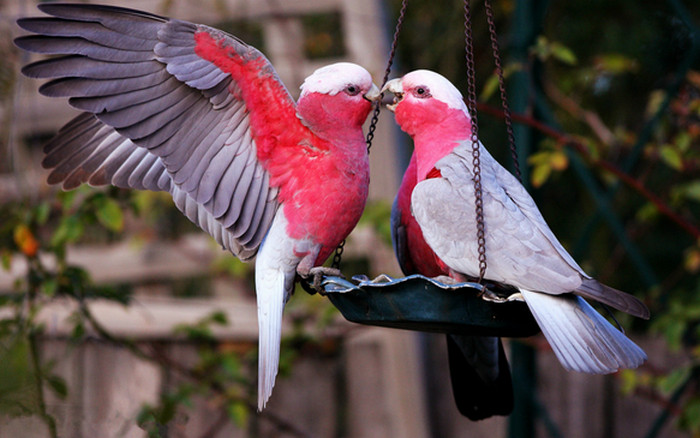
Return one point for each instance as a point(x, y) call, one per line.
point(168, 106)
point(521, 250)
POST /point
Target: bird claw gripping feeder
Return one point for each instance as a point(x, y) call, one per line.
point(427, 304)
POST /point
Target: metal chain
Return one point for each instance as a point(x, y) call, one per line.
point(337, 257)
point(392, 53)
point(476, 161)
point(501, 86)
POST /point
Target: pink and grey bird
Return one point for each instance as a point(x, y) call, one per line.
point(521, 250)
point(187, 109)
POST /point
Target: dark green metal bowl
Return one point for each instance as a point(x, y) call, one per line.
point(423, 304)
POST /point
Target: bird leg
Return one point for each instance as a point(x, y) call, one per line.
point(313, 277)
point(487, 295)
point(318, 272)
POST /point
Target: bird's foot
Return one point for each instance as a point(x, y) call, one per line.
point(487, 295)
point(381, 278)
point(446, 279)
point(318, 272)
point(515, 297)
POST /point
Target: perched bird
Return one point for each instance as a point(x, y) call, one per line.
point(479, 372)
point(521, 250)
point(190, 110)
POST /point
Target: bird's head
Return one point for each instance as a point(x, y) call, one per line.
point(337, 94)
point(424, 99)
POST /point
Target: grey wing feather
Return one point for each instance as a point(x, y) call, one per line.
point(444, 209)
point(166, 119)
point(113, 159)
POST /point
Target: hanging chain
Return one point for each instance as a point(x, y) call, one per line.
point(392, 53)
point(338, 255)
point(377, 108)
point(476, 161)
point(501, 86)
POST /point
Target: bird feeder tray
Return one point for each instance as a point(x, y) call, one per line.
point(424, 304)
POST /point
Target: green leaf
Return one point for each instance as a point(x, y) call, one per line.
point(110, 214)
point(671, 381)
point(690, 418)
point(67, 199)
point(692, 190)
point(219, 317)
point(78, 331)
point(628, 381)
point(58, 385)
point(238, 412)
point(558, 160)
point(6, 259)
point(647, 212)
point(683, 141)
point(18, 393)
point(671, 157)
point(49, 286)
point(539, 158)
point(540, 174)
point(490, 88)
point(563, 53)
point(616, 63)
point(545, 49)
point(42, 212)
point(69, 230)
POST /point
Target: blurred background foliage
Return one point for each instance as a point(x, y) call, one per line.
point(616, 172)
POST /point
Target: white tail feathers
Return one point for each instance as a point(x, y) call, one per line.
point(581, 338)
point(270, 286)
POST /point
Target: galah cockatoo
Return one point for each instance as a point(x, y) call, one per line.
point(521, 250)
point(188, 109)
point(479, 372)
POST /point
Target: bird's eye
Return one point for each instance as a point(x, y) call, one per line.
point(352, 90)
point(422, 92)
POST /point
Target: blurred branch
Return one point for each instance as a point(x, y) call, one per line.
point(565, 139)
point(601, 131)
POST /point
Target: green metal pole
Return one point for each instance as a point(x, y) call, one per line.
point(527, 24)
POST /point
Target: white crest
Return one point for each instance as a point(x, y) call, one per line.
point(440, 88)
point(334, 78)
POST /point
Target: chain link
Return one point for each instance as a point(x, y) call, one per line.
point(502, 88)
point(387, 72)
point(337, 257)
point(476, 160)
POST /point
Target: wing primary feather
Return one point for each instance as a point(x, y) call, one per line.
point(84, 87)
point(80, 66)
point(78, 46)
point(236, 204)
point(142, 119)
point(89, 31)
point(253, 215)
point(125, 100)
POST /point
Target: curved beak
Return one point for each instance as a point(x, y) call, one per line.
point(395, 87)
point(373, 94)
